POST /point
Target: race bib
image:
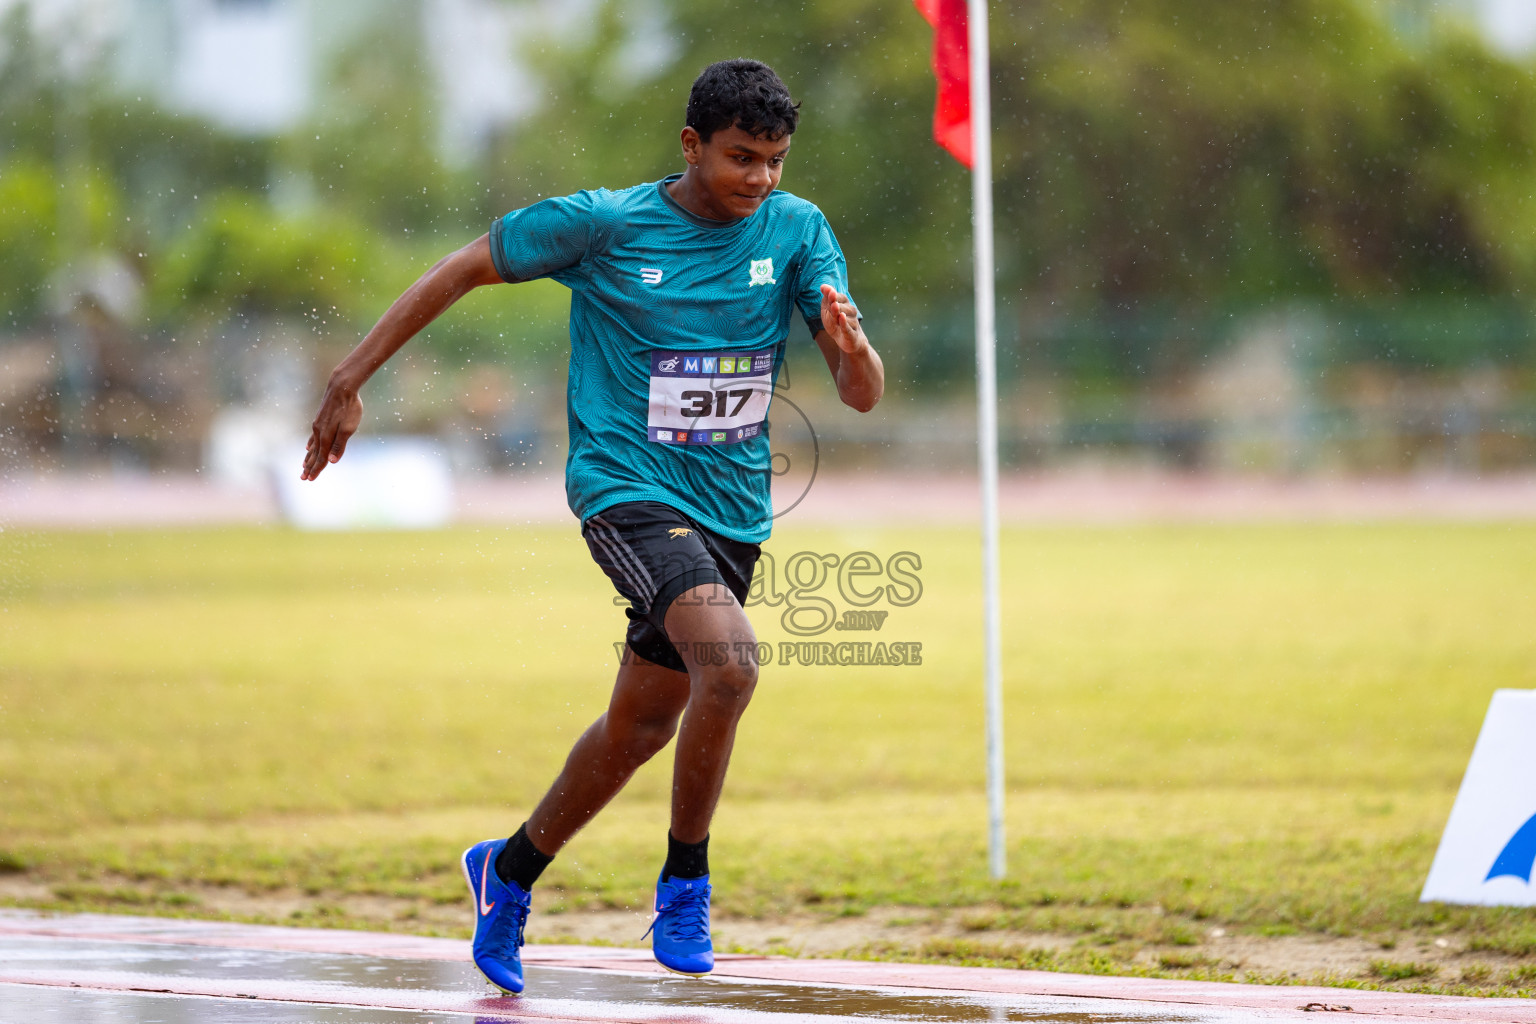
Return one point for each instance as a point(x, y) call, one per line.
point(709, 397)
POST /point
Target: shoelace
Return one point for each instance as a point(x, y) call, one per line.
point(686, 915)
point(500, 944)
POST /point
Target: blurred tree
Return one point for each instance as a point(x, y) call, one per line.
point(323, 267)
point(371, 145)
point(1196, 150)
point(1161, 166)
point(1167, 162)
point(28, 224)
point(85, 170)
point(1214, 156)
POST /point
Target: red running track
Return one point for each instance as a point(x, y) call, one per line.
point(46, 957)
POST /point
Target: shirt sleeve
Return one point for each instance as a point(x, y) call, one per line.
point(548, 239)
point(824, 264)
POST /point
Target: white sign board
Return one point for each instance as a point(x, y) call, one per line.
point(1489, 846)
point(243, 444)
point(383, 483)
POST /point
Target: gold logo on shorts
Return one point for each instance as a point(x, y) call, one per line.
point(679, 531)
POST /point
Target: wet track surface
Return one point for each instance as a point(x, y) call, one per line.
point(119, 981)
point(108, 968)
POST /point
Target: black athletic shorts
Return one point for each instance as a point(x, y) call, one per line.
point(652, 553)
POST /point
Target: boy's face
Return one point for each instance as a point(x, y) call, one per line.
point(735, 171)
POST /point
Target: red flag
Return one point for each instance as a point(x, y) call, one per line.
point(952, 68)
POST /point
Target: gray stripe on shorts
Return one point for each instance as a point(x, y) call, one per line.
point(619, 563)
point(624, 559)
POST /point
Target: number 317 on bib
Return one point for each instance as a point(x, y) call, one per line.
point(709, 397)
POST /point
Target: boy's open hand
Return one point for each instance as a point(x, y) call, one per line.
point(840, 320)
point(341, 412)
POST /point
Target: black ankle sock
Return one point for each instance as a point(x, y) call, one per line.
point(686, 860)
point(520, 860)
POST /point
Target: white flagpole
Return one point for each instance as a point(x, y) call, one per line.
point(986, 424)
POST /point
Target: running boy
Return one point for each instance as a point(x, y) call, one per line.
point(682, 292)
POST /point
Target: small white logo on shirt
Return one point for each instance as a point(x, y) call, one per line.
point(762, 272)
point(650, 275)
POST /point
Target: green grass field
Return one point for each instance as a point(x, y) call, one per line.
point(1260, 728)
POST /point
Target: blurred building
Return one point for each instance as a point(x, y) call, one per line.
point(1510, 25)
point(257, 66)
point(253, 65)
point(244, 64)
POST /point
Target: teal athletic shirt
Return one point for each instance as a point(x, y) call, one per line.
point(678, 331)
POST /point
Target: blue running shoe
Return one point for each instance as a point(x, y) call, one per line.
point(501, 910)
point(680, 930)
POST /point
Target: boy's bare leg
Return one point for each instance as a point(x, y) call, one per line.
point(642, 717)
point(710, 630)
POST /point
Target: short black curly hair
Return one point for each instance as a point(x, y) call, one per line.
point(743, 93)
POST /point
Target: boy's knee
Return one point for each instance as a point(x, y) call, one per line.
point(635, 741)
point(730, 684)
point(642, 740)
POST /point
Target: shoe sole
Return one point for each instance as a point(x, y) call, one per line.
point(469, 883)
point(686, 974)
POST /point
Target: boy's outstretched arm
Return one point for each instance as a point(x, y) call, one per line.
point(854, 363)
point(341, 410)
